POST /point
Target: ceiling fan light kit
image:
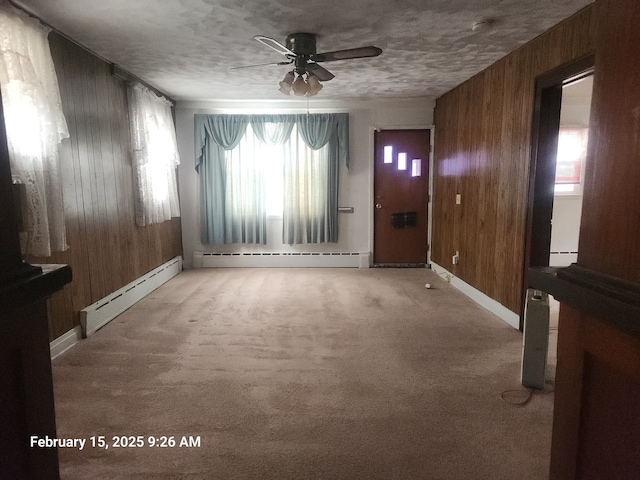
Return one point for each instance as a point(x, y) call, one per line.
point(300, 50)
point(300, 86)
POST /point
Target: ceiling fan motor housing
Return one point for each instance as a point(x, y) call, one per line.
point(302, 43)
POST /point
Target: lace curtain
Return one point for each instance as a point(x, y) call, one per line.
point(312, 148)
point(155, 156)
point(35, 126)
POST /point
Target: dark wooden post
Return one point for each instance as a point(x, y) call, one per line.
point(26, 388)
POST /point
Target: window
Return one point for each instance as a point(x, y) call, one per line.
point(402, 161)
point(570, 160)
point(272, 168)
point(388, 154)
point(35, 126)
point(416, 167)
point(252, 166)
point(155, 156)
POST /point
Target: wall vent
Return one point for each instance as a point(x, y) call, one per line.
point(281, 259)
point(103, 311)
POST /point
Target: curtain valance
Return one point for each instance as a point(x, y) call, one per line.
point(315, 129)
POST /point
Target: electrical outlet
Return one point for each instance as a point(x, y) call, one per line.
point(458, 199)
point(456, 258)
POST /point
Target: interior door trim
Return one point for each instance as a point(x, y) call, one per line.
point(547, 99)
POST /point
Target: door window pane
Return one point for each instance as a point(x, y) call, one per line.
point(388, 154)
point(416, 167)
point(402, 161)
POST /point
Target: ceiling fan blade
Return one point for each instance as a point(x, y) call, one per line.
point(261, 65)
point(274, 44)
point(347, 54)
point(322, 73)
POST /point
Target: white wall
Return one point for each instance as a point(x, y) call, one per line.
point(355, 184)
point(565, 229)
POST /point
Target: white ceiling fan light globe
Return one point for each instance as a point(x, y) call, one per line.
point(300, 87)
point(285, 88)
point(314, 85)
point(287, 81)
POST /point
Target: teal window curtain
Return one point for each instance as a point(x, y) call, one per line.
point(231, 169)
point(230, 186)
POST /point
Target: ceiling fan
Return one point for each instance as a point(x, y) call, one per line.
point(300, 51)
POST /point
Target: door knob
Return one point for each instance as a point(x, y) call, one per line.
point(378, 205)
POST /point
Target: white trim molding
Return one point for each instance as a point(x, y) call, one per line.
point(65, 342)
point(477, 296)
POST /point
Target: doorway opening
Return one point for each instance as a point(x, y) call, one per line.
point(553, 170)
point(570, 163)
point(567, 198)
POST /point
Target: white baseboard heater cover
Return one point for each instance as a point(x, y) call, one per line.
point(103, 311)
point(479, 297)
point(535, 339)
point(281, 260)
point(63, 343)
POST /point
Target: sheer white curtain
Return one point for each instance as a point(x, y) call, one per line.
point(155, 156)
point(306, 190)
point(35, 126)
point(245, 200)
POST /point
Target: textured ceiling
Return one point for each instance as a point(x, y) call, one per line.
point(187, 47)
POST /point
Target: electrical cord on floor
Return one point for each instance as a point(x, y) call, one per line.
point(444, 275)
point(504, 396)
point(528, 395)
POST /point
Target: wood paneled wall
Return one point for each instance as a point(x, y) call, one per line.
point(107, 249)
point(483, 151)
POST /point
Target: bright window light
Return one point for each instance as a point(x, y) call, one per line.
point(416, 167)
point(273, 178)
point(402, 161)
point(566, 188)
point(388, 154)
point(572, 150)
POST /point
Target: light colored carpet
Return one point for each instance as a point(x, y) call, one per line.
point(303, 374)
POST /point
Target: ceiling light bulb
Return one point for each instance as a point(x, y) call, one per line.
point(287, 81)
point(300, 87)
point(314, 85)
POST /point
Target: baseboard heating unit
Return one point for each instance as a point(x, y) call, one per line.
point(283, 260)
point(103, 311)
point(562, 259)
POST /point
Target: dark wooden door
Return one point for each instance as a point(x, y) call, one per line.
point(401, 188)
